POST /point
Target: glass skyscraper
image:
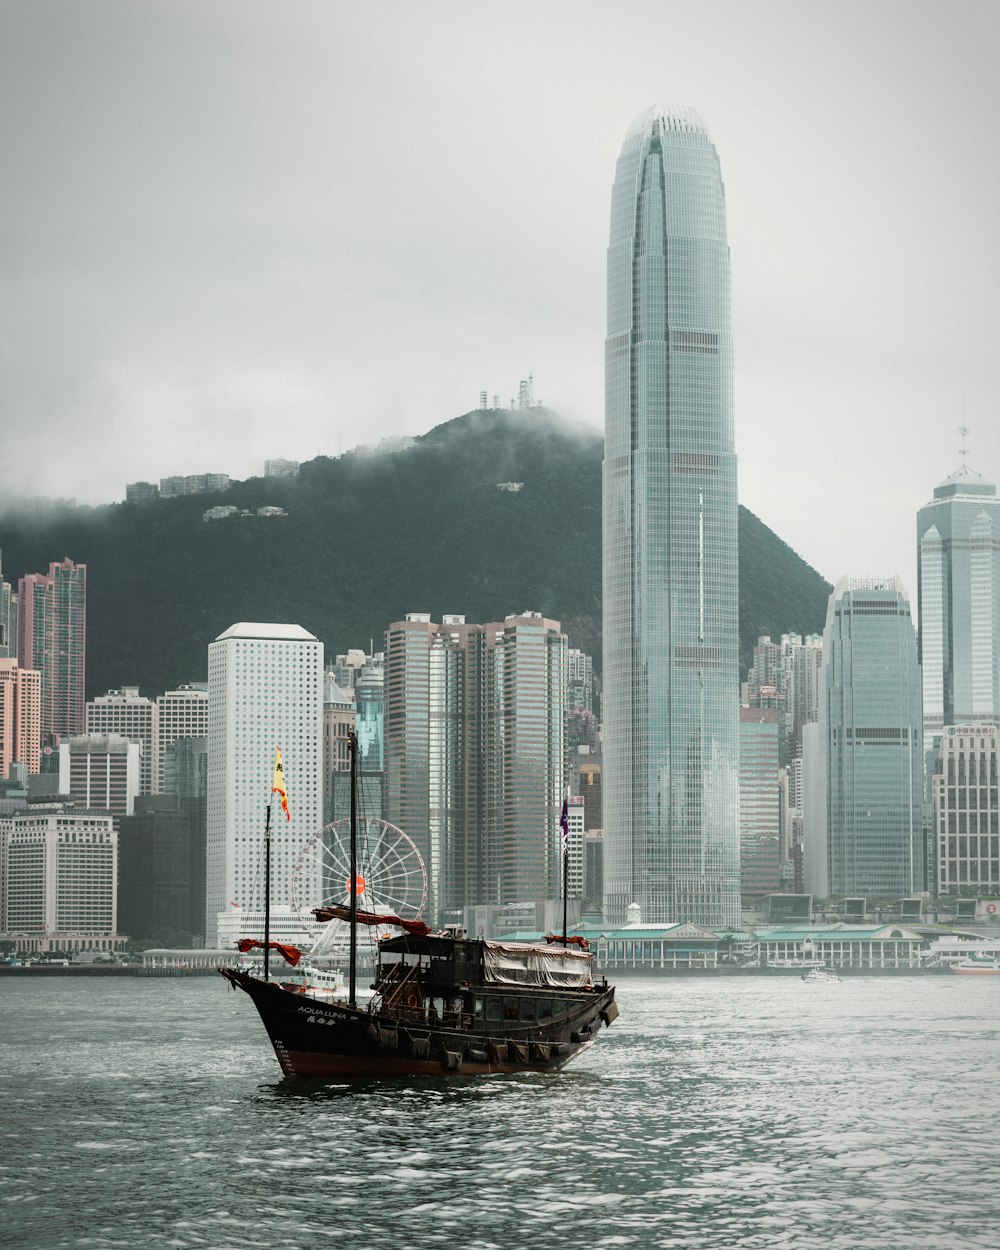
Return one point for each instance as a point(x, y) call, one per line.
point(52, 638)
point(475, 735)
point(958, 550)
point(671, 611)
point(874, 808)
point(8, 617)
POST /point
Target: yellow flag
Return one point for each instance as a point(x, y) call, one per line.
point(278, 786)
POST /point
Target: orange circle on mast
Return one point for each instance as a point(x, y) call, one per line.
point(359, 883)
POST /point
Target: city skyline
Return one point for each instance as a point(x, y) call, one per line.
point(670, 595)
point(253, 204)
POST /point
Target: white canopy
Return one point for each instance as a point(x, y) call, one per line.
point(509, 963)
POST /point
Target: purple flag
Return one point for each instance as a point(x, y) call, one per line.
point(564, 824)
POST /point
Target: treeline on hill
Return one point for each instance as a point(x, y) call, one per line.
point(368, 538)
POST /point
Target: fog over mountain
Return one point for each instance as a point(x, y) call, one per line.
point(369, 536)
point(240, 229)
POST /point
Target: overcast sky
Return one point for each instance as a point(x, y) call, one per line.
point(238, 230)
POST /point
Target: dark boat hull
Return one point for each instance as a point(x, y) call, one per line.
point(330, 1040)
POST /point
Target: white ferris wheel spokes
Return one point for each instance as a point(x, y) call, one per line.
point(391, 873)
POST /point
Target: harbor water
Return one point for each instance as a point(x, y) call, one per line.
point(715, 1114)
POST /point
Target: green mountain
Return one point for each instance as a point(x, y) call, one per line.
point(370, 536)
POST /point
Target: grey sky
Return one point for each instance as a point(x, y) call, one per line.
point(235, 230)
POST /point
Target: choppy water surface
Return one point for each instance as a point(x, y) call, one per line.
point(713, 1115)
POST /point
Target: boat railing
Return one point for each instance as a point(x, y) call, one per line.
point(427, 1016)
point(400, 990)
point(406, 999)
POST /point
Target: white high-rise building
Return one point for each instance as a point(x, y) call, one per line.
point(575, 868)
point(101, 772)
point(132, 715)
point(265, 689)
point(61, 879)
point(181, 713)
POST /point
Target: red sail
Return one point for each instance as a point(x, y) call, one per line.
point(415, 927)
point(574, 939)
point(290, 954)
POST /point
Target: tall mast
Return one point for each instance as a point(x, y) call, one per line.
point(564, 830)
point(352, 742)
point(267, 892)
point(277, 787)
point(565, 892)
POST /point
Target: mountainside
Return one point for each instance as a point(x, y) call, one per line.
point(369, 537)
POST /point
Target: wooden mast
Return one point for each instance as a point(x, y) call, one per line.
point(564, 831)
point(352, 741)
point(267, 892)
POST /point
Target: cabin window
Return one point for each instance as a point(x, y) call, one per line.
point(493, 1009)
point(510, 1009)
point(528, 1009)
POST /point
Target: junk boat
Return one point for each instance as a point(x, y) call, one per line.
point(443, 1004)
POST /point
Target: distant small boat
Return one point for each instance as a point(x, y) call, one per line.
point(820, 974)
point(792, 966)
point(321, 983)
point(978, 965)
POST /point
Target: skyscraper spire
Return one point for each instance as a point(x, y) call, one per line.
point(963, 434)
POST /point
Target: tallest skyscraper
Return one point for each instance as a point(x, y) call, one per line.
point(671, 627)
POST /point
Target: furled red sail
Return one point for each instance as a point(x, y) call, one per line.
point(574, 939)
point(415, 927)
point(290, 954)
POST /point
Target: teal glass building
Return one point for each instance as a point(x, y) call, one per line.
point(958, 565)
point(671, 612)
point(872, 721)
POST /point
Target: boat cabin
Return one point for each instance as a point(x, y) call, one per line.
point(471, 984)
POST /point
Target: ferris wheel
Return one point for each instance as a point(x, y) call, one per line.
point(391, 876)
